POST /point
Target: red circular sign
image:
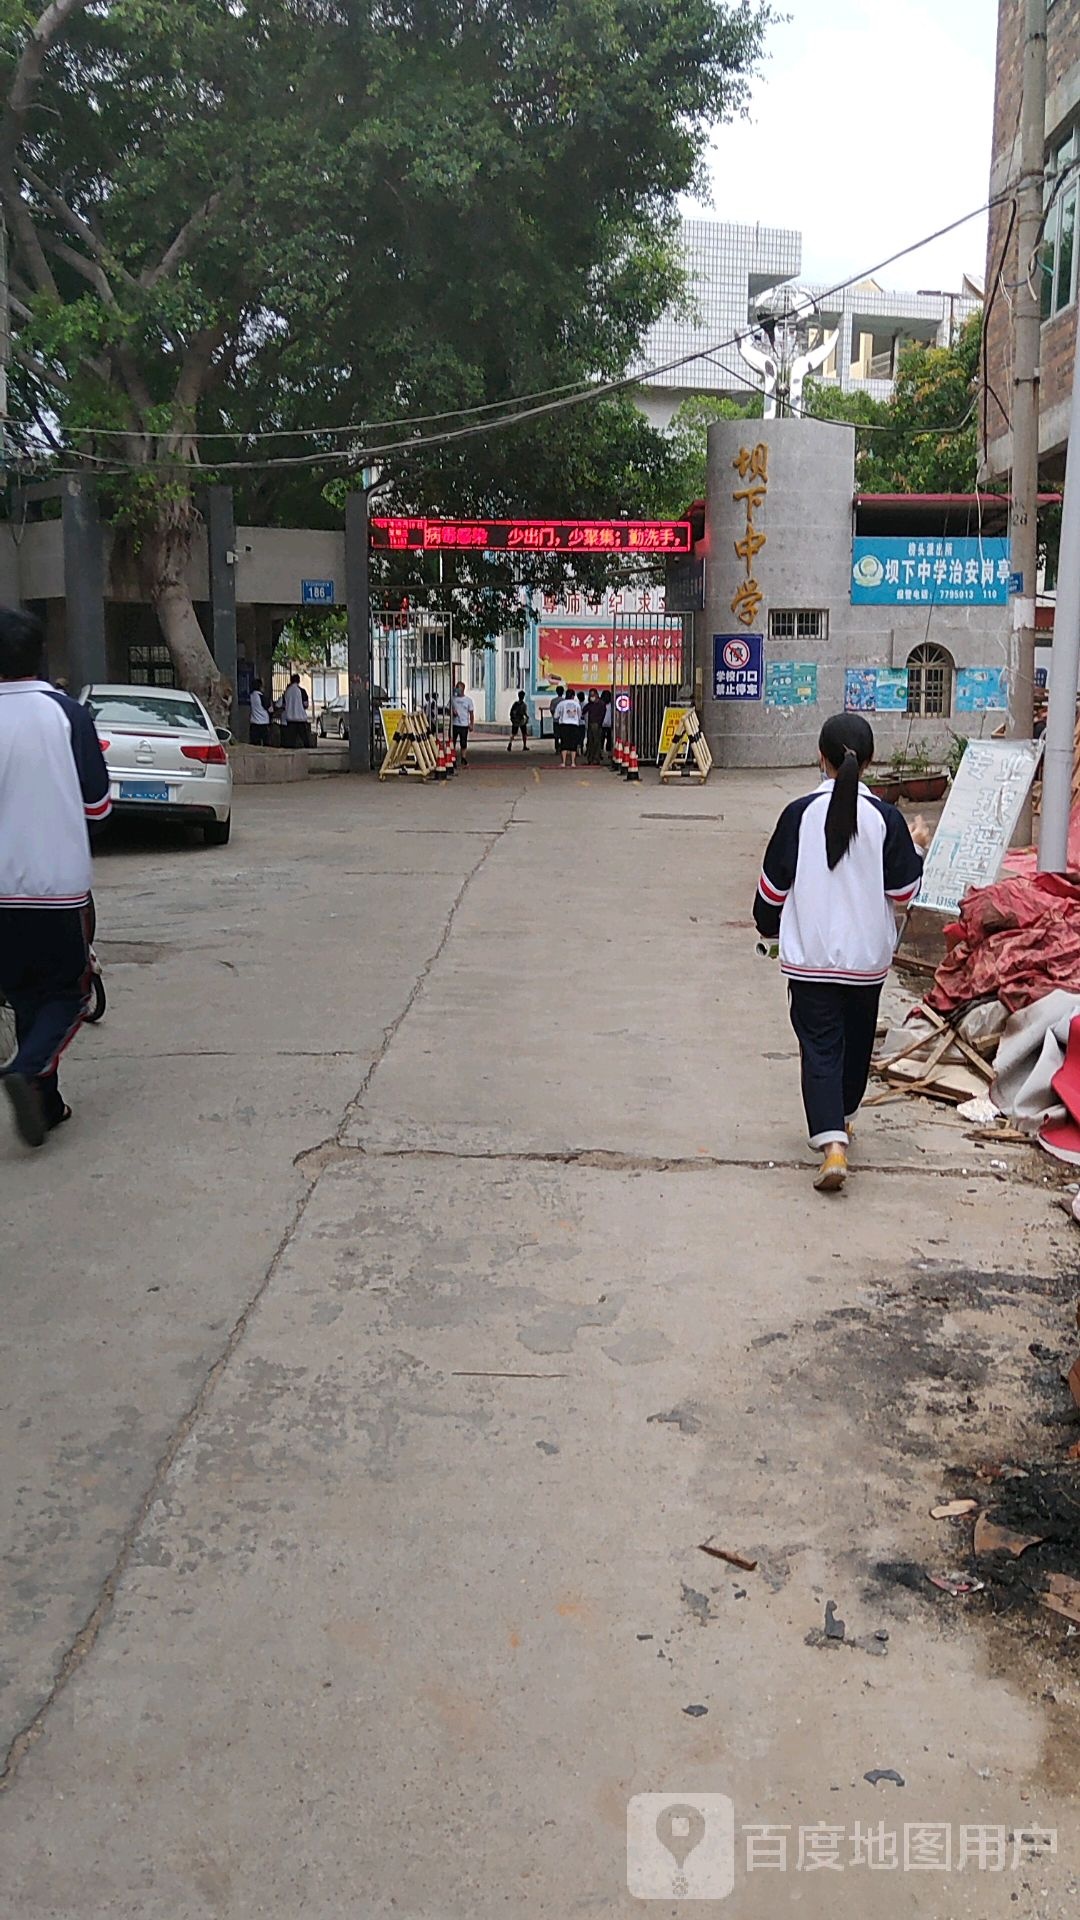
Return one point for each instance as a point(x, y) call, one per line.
point(736, 653)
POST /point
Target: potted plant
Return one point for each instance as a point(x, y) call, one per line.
point(919, 779)
point(957, 749)
point(884, 785)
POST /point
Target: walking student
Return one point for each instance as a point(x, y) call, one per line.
point(462, 713)
point(53, 780)
point(554, 704)
point(519, 723)
point(568, 722)
point(609, 721)
point(259, 723)
point(837, 867)
point(594, 729)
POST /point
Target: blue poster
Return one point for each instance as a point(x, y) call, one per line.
point(930, 571)
point(892, 690)
point(978, 689)
point(737, 668)
point(791, 683)
point(860, 690)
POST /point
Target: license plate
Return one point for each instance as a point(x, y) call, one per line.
point(141, 790)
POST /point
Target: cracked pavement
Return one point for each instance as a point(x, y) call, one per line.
point(432, 1265)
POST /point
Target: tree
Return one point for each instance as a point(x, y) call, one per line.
point(249, 216)
point(689, 433)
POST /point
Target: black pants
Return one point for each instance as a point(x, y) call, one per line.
point(524, 732)
point(835, 1027)
point(45, 978)
point(259, 736)
point(296, 733)
point(461, 742)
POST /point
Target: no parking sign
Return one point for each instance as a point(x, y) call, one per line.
point(737, 672)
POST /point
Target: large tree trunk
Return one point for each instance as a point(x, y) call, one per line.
point(166, 551)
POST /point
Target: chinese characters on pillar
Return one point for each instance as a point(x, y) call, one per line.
point(752, 466)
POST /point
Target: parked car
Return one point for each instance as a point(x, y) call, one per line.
point(165, 756)
point(334, 719)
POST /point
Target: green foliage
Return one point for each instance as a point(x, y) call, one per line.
point(238, 219)
point(912, 760)
point(689, 437)
point(957, 749)
point(308, 639)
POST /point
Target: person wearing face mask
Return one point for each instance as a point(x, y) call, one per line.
point(838, 866)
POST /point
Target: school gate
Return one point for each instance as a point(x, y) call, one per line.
point(651, 663)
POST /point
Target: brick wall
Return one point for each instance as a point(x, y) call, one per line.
point(1063, 95)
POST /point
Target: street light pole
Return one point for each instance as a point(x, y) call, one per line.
point(358, 597)
point(1059, 747)
point(1027, 322)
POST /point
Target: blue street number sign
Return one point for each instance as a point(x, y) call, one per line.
point(317, 593)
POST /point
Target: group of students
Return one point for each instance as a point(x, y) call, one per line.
point(582, 720)
point(291, 711)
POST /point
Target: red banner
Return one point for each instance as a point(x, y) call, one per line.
point(586, 656)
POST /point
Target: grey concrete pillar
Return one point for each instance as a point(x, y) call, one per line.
point(221, 549)
point(791, 481)
point(84, 583)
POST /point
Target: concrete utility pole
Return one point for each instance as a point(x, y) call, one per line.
point(1064, 664)
point(358, 596)
point(1027, 322)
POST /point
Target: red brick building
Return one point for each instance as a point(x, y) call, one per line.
point(1057, 268)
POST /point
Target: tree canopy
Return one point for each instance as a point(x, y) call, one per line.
point(311, 218)
point(925, 437)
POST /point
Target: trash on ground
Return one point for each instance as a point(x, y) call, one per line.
point(877, 1774)
point(834, 1627)
point(953, 1509)
point(1062, 1595)
point(1031, 1051)
point(980, 1112)
point(928, 1056)
point(1015, 941)
point(695, 1711)
point(724, 1553)
point(958, 1584)
point(991, 1538)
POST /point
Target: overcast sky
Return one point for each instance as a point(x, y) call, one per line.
point(870, 126)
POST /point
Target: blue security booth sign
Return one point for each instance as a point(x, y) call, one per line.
point(939, 570)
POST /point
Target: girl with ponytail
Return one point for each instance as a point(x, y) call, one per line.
point(836, 869)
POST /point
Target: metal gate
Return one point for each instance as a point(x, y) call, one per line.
point(411, 654)
point(650, 665)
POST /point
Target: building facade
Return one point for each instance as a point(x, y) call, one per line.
point(733, 271)
point(1057, 264)
point(818, 600)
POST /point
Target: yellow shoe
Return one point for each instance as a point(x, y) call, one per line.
point(833, 1171)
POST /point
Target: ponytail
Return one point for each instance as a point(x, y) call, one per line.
point(846, 744)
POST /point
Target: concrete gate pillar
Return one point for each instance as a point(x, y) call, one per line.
point(778, 531)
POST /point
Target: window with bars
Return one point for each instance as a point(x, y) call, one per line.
point(150, 667)
point(930, 681)
point(479, 667)
point(513, 659)
point(798, 623)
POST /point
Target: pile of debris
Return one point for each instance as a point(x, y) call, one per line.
point(998, 1034)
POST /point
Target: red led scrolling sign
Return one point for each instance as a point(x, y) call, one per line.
point(532, 536)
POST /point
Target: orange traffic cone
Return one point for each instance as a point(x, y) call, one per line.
point(451, 756)
point(440, 762)
point(618, 761)
point(632, 770)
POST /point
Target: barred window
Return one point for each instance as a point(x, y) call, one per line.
point(150, 666)
point(798, 623)
point(930, 681)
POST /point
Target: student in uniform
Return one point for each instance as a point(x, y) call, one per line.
point(838, 865)
point(259, 724)
point(462, 715)
point(568, 721)
point(554, 703)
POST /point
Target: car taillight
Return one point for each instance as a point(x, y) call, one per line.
point(214, 756)
point(103, 744)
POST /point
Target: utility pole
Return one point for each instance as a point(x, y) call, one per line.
point(1027, 324)
point(358, 596)
point(1064, 664)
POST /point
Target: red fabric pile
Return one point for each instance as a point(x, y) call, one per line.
point(1018, 940)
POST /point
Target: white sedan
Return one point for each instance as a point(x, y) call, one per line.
point(165, 756)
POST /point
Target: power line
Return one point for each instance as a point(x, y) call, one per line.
point(359, 457)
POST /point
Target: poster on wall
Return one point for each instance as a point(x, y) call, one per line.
point(737, 666)
point(791, 683)
point(930, 572)
point(876, 690)
point(980, 689)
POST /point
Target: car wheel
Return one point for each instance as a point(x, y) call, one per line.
point(343, 729)
point(216, 832)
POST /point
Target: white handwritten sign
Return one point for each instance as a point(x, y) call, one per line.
point(978, 820)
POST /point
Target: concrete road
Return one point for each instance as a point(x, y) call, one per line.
point(430, 1268)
